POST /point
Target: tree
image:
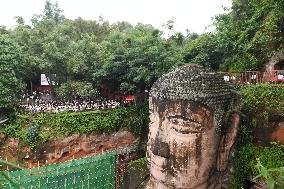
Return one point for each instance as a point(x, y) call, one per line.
point(20, 20)
point(115, 57)
point(139, 56)
point(23, 36)
point(3, 30)
point(251, 33)
point(72, 89)
point(10, 85)
point(245, 38)
point(205, 51)
point(53, 12)
point(86, 58)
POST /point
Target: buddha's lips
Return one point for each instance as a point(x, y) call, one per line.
point(193, 128)
point(184, 119)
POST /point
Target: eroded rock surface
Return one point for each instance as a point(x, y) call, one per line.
point(74, 146)
point(78, 145)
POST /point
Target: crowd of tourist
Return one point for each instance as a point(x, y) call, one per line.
point(44, 102)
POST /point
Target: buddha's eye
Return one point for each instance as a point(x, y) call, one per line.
point(174, 121)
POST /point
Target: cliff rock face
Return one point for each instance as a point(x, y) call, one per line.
point(275, 63)
point(273, 131)
point(278, 133)
point(80, 145)
point(62, 149)
point(278, 58)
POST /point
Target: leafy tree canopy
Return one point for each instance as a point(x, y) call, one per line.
point(251, 33)
point(130, 58)
point(10, 84)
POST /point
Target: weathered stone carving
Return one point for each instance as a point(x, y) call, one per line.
point(193, 127)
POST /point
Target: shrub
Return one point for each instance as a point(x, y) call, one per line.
point(274, 177)
point(246, 161)
point(260, 102)
point(39, 128)
point(33, 136)
point(263, 100)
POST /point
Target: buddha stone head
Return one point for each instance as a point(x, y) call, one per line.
point(192, 128)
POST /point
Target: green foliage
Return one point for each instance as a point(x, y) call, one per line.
point(53, 12)
point(33, 136)
point(10, 84)
point(12, 129)
point(135, 174)
point(137, 164)
point(246, 161)
point(37, 129)
point(260, 102)
point(246, 37)
point(137, 57)
point(250, 34)
point(130, 58)
point(138, 121)
point(263, 100)
point(116, 57)
point(87, 122)
point(70, 89)
point(272, 177)
point(242, 164)
point(204, 51)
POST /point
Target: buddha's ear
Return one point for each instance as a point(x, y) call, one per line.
point(227, 140)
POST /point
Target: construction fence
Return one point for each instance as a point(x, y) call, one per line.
point(94, 172)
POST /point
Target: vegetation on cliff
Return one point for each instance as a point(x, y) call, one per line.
point(37, 129)
point(262, 104)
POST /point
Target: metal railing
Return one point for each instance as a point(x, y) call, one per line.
point(252, 77)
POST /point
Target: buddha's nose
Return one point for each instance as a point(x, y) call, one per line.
point(160, 148)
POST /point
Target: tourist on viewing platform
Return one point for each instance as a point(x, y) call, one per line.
point(43, 102)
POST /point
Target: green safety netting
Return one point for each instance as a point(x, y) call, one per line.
point(94, 172)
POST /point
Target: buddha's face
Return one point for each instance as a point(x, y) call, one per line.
point(182, 145)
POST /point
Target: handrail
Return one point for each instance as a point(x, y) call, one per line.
point(248, 77)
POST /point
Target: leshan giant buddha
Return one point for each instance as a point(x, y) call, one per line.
point(193, 125)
